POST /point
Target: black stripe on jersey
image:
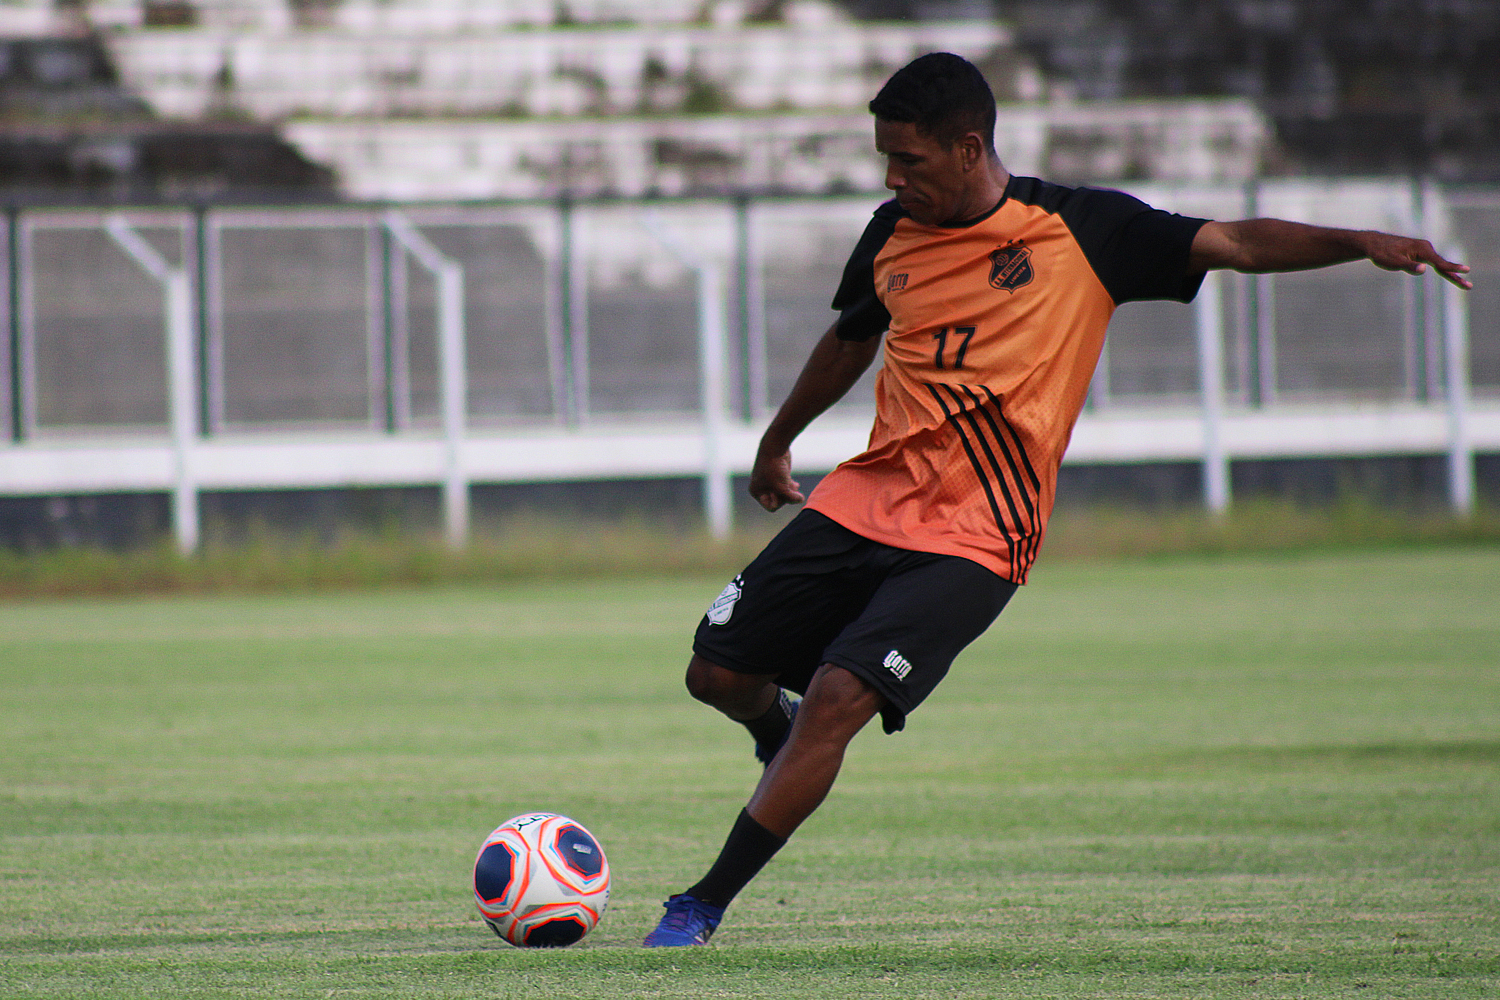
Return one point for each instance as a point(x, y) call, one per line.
point(1034, 491)
point(1025, 537)
point(979, 470)
point(1030, 496)
point(1021, 528)
point(1036, 483)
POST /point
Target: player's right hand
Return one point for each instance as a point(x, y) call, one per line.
point(1405, 253)
point(771, 482)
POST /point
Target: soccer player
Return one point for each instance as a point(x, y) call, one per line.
point(993, 293)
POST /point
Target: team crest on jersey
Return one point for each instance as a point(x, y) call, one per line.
point(1010, 267)
point(723, 605)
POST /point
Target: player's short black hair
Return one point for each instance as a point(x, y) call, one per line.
point(944, 95)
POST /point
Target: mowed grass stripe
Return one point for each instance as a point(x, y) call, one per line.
point(1275, 775)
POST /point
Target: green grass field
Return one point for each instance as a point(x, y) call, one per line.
point(1249, 776)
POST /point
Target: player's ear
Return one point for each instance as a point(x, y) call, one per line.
point(971, 151)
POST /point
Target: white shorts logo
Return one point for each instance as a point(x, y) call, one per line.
point(897, 664)
point(723, 605)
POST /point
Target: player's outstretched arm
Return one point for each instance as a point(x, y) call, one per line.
point(1260, 246)
point(831, 371)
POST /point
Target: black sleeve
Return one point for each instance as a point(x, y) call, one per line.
point(861, 313)
point(1138, 252)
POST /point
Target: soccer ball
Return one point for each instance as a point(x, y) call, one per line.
point(541, 880)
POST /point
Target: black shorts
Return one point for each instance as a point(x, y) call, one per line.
point(819, 593)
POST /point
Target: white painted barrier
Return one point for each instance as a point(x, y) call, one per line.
point(704, 285)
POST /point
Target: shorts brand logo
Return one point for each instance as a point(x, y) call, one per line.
point(895, 282)
point(897, 664)
point(723, 605)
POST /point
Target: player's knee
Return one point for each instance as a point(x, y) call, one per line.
point(841, 699)
point(703, 682)
point(735, 694)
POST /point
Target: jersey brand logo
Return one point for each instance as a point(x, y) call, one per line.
point(897, 664)
point(895, 282)
point(723, 605)
point(1010, 267)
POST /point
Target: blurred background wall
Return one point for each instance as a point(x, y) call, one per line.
point(202, 99)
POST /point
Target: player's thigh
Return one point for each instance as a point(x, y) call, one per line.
point(920, 618)
point(782, 611)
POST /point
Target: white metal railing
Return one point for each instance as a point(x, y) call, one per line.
point(1460, 417)
point(1210, 341)
point(453, 381)
point(181, 406)
point(713, 373)
point(723, 268)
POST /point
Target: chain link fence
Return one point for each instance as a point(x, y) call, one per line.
point(591, 315)
point(310, 318)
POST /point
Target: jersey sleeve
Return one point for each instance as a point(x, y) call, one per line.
point(861, 313)
point(1138, 252)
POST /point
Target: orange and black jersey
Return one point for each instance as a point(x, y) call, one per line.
point(995, 327)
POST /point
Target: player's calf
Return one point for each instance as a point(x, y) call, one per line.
point(755, 701)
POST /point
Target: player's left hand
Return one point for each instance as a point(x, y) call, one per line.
point(771, 482)
point(1404, 253)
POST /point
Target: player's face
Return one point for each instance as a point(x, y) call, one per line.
point(930, 177)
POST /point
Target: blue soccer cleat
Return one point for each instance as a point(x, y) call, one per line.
point(765, 754)
point(688, 921)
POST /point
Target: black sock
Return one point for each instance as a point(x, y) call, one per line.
point(745, 853)
point(770, 728)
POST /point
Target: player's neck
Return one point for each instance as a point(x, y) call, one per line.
point(985, 193)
